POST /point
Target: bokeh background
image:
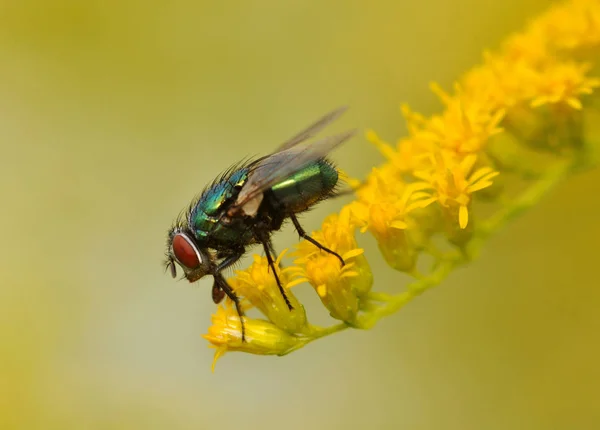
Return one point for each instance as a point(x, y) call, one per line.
point(113, 114)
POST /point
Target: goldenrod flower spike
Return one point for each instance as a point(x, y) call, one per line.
point(533, 96)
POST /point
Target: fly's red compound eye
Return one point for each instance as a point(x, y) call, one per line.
point(185, 252)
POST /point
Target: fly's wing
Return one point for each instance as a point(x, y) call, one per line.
point(272, 169)
point(313, 129)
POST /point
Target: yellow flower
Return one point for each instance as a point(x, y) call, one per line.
point(500, 83)
point(463, 128)
point(453, 183)
point(562, 82)
point(530, 47)
point(571, 25)
point(383, 209)
point(262, 337)
point(339, 287)
point(337, 231)
point(258, 285)
point(333, 282)
point(386, 201)
point(409, 154)
point(529, 68)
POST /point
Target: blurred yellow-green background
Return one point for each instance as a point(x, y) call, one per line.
point(114, 114)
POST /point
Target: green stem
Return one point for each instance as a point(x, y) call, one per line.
point(525, 201)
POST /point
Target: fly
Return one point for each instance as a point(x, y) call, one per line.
point(248, 203)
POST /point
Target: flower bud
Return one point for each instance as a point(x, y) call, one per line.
point(261, 337)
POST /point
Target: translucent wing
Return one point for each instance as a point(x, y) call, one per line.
point(313, 129)
point(272, 169)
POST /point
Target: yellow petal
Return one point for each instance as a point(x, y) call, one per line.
point(539, 101)
point(574, 103)
point(386, 150)
point(218, 354)
point(420, 204)
point(498, 116)
point(478, 186)
point(296, 282)
point(467, 163)
point(400, 225)
point(425, 175)
point(463, 216)
point(420, 195)
point(322, 290)
point(353, 253)
point(480, 173)
point(438, 91)
point(278, 261)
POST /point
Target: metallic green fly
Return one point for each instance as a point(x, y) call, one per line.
point(250, 201)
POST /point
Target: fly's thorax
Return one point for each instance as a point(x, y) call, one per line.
point(206, 216)
point(306, 187)
point(221, 232)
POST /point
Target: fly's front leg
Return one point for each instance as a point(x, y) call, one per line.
point(228, 259)
point(304, 235)
point(222, 288)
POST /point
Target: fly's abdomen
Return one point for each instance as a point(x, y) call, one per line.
point(306, 187)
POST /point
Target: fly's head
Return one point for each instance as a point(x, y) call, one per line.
point(183, 250)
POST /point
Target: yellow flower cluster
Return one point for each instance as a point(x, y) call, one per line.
point(524, 98)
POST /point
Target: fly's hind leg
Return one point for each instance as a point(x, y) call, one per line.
point(304, 235)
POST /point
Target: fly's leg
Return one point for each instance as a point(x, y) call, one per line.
point(221, 287)
point(229, 258)
point(267, 246)
point(263, 238)
point(224, 286)
point(304, 235)
point(271, 248)
point(273, 252)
